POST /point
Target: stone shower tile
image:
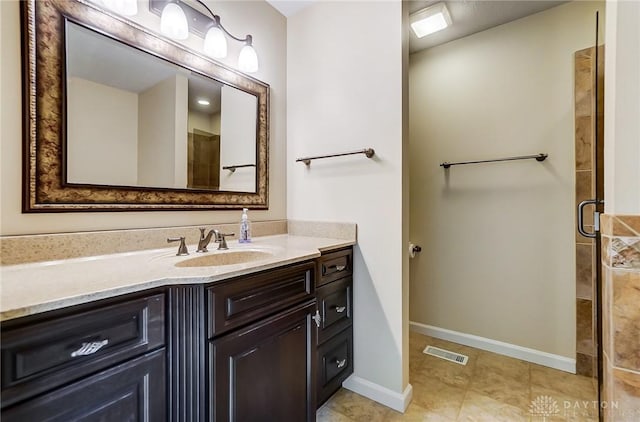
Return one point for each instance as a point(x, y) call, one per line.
point(584, 191)
point(626, 320)
point(584, 330)
point(584, 271)
point(625, 252)
point(584, 136)
point(626, 395)
point(584, 365)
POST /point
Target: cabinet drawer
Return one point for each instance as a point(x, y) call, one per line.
point(334, 266)
point(335, 364)
point(243, 300)
point(44, 355)
point(334, 304)
point(132, 391)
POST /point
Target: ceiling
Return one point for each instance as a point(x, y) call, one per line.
point(94, 57)
point(469, 16)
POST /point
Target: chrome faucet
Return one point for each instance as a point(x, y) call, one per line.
point(217, 237)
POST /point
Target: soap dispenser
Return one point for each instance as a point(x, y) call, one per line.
point(245, 227)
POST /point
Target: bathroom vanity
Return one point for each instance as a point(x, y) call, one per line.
point(196, 347)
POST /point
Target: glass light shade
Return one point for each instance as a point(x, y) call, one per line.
point(248, 59)
point(173, 22)
point(215, 43)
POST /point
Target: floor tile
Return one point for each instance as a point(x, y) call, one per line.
point(496, 385)
point(562, 382)
point(416, 413)
point(489, 388)
point(438, 397)
point(477, 407)
point(356, 407)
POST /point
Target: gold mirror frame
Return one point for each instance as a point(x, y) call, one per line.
point(44, 186)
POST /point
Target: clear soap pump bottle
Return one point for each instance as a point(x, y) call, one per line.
point(245, 227)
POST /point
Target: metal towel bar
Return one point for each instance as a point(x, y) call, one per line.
point(369, 152)
point(233, 168)
point(538, 157)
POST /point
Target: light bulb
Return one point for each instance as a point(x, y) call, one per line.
point(173, 22)
point(215, 43)
point(248, 59)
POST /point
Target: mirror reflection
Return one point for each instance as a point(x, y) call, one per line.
point(136, 120)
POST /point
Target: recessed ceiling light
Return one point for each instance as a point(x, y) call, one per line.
point(203, 102)
point(429, 20)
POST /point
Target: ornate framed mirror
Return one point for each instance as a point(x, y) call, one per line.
point(117, 118)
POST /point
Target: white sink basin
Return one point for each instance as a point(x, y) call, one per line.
point(224, 258)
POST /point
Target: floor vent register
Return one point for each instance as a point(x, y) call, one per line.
point(446, 355)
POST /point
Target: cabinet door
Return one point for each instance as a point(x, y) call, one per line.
point(265, 372)
point(133, 391)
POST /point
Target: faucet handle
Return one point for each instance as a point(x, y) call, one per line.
point(182, 249)
point(220, 238)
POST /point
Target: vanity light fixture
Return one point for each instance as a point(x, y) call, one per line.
point(430, 19)
point(173, 23)
point(203, 102)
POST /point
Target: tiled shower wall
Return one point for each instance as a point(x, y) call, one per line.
point(586, 111)
point(621, 317)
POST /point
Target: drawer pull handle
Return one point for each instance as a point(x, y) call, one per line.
point(89, 348)
point(340, 309)
point(317, 318)
point(341, 363)
point(339, 267)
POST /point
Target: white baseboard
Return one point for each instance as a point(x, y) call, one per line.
point(376, 392)
point(530, 355)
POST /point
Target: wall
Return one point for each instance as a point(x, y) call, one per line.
point(498, 256)
point(162, 134)
point(204, 121)
point(344, 78)
point(237, 139)
point(621, 225)
point(103, 135)
point(258, 18)
point(622, 108)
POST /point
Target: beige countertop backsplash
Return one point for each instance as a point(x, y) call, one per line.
point(45, 272)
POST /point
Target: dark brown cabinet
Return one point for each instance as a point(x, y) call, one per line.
point(266, 371)
point(334, 292)
point(261, 347)
point(133, 391)
point(101, 362)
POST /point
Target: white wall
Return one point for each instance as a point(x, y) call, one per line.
point(237, 139)
point(204, 121)
point(102, 135)
point(498, 256)
point(258, 18)
point(162, 134)
point(344, 74)
point(622, 108)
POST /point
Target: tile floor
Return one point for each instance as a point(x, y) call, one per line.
point(489, 388)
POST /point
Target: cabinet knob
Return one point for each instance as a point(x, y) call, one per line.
point(340, 309)
point(341, 363)
point(89, 348)
point(317, 318)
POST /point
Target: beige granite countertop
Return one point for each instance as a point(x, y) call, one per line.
point(43, 286)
